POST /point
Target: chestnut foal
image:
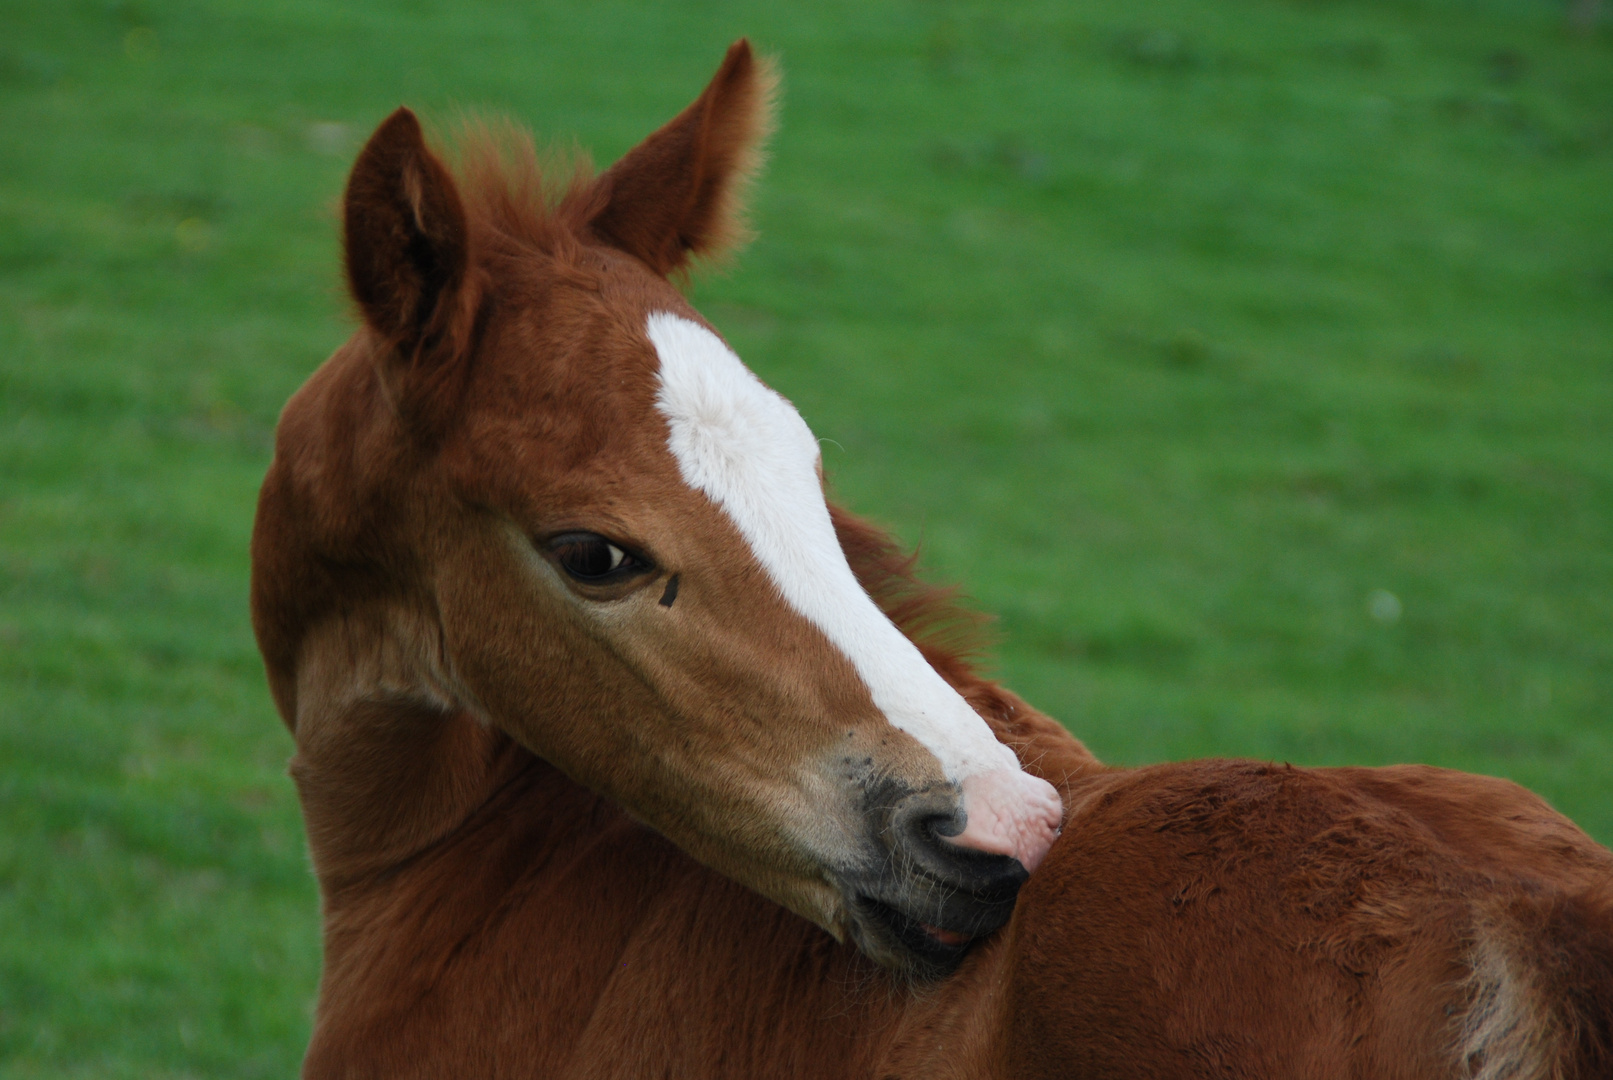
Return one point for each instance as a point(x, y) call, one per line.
point(622, 753)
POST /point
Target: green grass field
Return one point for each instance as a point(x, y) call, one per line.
point(1252, 360)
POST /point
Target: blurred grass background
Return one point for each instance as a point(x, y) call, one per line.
point(1253, 360)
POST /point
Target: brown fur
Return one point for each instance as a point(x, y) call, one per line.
point(490, 907)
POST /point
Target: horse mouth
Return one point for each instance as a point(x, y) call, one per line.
point(922, 900)
point(928, 949)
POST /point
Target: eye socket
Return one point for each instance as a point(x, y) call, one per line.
point(590, 558)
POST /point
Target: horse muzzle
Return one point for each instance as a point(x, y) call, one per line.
point(926, 898)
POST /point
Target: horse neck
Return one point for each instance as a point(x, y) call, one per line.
point(441, 843)
point(389, 761)
point(613, 932)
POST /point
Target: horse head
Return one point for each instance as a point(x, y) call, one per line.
point(618, 541)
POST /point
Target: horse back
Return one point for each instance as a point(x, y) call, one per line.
point(1231, 918)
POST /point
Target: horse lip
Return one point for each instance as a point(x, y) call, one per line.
point(935, 950)
point(946, 937)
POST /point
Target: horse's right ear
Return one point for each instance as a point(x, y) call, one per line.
point(406, 242)
point(678, 193)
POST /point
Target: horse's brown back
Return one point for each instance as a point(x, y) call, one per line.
point(1225, 918)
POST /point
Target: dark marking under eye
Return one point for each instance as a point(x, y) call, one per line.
point(671, 593)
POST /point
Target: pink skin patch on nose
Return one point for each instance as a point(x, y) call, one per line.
point(1010, 813)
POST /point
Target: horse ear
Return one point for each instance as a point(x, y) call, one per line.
point(405, 238)
point(677, 194)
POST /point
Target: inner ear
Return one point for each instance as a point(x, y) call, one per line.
point(678, 194)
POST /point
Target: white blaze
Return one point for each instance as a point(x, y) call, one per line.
point(747, 448)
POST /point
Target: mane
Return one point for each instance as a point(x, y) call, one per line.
point(520, 198)
point(955, 639)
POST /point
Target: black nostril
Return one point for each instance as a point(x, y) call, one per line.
point(919, 831)
point(948, 825)
point(918, 821)
point(921, 817)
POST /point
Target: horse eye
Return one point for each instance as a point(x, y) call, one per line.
point(590, 557)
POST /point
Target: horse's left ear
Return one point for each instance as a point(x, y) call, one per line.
point(677, 194)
